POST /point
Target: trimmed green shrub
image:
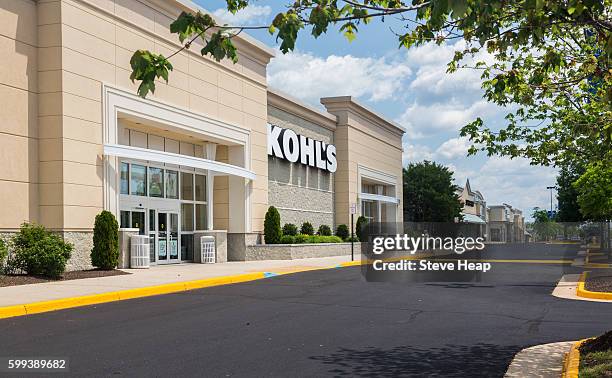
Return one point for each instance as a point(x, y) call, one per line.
point(272, 227)
point(352, 239)
point(324, 230)
point(359, 227)
point(40, 252)
point(342, 232)
point(105, 251)
point(314, 239)
point(290, 229)
point(288, 239)
point(307, 229)
point(3, 255)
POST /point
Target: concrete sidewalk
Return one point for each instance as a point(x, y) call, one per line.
point(157, 275)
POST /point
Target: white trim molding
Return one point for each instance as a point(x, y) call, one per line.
point(129, 152)
point(378, 197)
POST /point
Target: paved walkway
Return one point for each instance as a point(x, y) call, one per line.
point(566, 288)
point(157, 275)
point(545, 361)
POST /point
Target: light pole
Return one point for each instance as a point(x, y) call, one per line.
point(551, 207)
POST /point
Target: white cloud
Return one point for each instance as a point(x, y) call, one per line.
point(252, 14)
point(310, 77)
point(514, 181)
point(416, 153)
point(423, 120)
point(454, 148)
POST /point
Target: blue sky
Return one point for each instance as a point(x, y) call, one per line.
point(410, 87)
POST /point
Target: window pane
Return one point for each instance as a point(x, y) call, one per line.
point(124, 219)
point(187, 247)
point(186, 217)
point(156, 182)
point(187, 186)
point(200, 188)
point(138, 182)
point(313, 178)
point(324, 180)
point(200, 217)
point(298, 175)
point(125, 173)
point(138, 221)
point(172, 184)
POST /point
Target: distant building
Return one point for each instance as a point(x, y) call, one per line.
point(474, 210)
point(506, 224)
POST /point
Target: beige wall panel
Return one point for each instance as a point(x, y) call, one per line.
point(82, 130)
point(50, 149)
point(50, 104)
point(82, 86)
point(231, 83)
point(180, 62)
point(83, 195)
point(48, 12)
point(162, 26)
point(88, 44)
point(19, 156)
point(171, 95)
point(132, 40)
point(50, 172)
point(50, 35)
point(203, 71)
point(49, 58)
point(203, 106)
point(122, 59)
point(172, 146)
point(258, 138)
point(256, 93)
point(18, 68)
point(231, 115)
point(51, 194)
point(203, 88)
point(82, 152)
point(136, 12)
point(18, 112)
point(23, 206)
point(80, 217)
point(138, 139)
point(79, 173)
point(87, 20)
point(230, 99)
point(122, 80)
point(51, 216)
point(255, 108)
point(50, 127)
point(83, 108)
point(19, 20)
point(155, 142)
point(50, 81)
point(186, 149)
point(177, 79)
point(85, 65)
point(252, 69)
point(108, 5)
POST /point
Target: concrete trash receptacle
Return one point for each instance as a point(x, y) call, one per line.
point(139, 252)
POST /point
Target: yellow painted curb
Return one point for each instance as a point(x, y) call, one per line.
point(582, 292)
point(571, 364)
point(64, 303)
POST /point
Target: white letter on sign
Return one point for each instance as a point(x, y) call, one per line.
point(274, 147)
point(291, 145)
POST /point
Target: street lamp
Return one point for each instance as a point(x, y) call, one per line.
point(551, 207)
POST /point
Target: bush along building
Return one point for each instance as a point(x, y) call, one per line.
point(206, 155)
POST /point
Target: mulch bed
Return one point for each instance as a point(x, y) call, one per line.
point(23, 279)
point(599, 281)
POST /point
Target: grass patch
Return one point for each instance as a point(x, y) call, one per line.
point(596, 365)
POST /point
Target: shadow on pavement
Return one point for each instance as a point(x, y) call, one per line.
point(479, 360)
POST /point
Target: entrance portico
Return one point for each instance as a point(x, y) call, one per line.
point(164, 168)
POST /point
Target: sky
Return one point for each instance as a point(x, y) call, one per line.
point(408, 86)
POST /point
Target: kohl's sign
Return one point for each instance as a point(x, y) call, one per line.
point(286, 144)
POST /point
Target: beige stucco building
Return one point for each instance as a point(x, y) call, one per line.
point(194, 156)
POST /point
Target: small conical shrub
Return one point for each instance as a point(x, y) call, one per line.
point(324, 230)
point(105, 251)
point(272, 226)
point(307, 229)
point(342, 232)
point(290, 229)
point(360, 227)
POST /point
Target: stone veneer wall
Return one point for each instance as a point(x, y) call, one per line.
point(299, 203)
point(82, 242)
point(298, 251)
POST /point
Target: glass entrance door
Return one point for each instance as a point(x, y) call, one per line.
point(167, 238)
